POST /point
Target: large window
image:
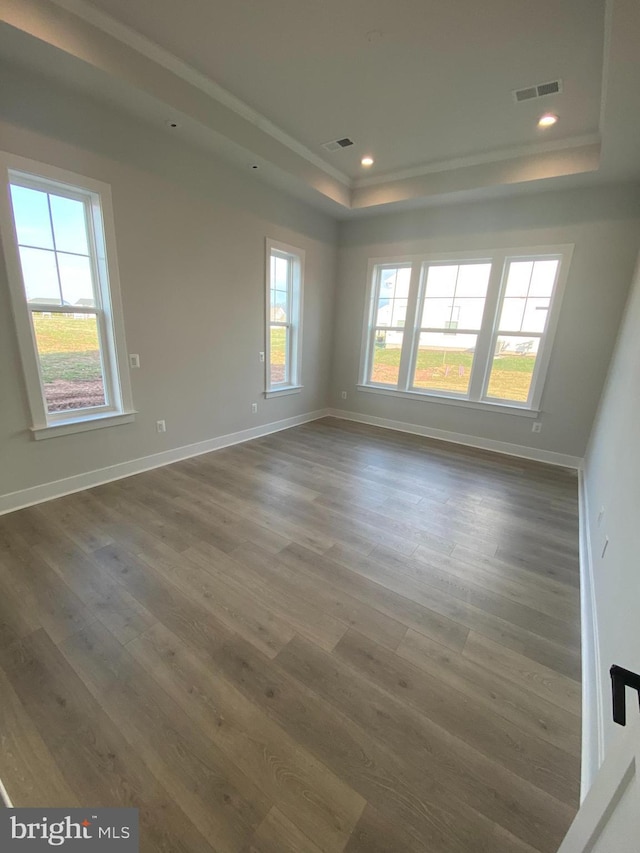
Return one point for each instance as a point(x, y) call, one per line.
point(476, 329)
point(284, 318)
point(60, 253)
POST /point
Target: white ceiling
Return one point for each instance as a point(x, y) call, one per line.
point(424, 87)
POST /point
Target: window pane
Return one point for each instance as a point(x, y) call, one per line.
point(279, 274)
point(473, 280)
point(394, 283)
point(444, 362)
point(391, 312)
point(455, 296)
point(387, 350)
point(40, 275)
point(69, 354)
point(31, 216)
point(512, 368)
point(535, 315)
point(441, 280)
point(437, 313)
point(69, 225)
point(75, 275)
point(519, 278)
point(279, 307)
point(278, 354)
point(543, 278)
point(512, 314)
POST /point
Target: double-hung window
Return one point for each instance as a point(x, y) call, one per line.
point(285, 266)
point(59, 244)
point(474, 329)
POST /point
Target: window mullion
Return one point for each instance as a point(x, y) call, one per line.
point(409, 335)
point(485, 340)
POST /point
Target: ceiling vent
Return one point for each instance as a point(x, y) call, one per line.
point(539, 91)
point(337, 144)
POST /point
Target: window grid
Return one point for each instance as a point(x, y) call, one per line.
point(100, 400)
point(284, 266)
point(57, 228)
point(474, 374)
point(387, 336)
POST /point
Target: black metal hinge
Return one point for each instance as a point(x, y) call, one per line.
point(620, 680)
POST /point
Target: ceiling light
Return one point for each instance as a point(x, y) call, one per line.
point(547, 120)
point(367, 161)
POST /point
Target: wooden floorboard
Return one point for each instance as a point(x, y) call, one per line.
point(334, 638)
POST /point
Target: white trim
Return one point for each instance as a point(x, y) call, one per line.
point(79, 482)
point(495, 155)
point(431, 397)
point(282, 392)
point(67, 427)
point(500, 261)
point(592, 698)
point(96, 198)
point(550, 457)
point(296, 260)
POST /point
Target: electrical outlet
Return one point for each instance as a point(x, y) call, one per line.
point(344, 395)
point(254, 408)
point(536, 427)
point(261, 357)
point(161, 426)
point(134, 360)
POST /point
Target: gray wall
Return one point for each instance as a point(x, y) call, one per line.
point(612, 483)
point(604, 225)
point(190, 234)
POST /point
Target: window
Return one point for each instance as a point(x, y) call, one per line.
point(60, 251)
point(472, 330)
point(284, 318)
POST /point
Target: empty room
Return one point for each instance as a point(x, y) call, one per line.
point(319, 405)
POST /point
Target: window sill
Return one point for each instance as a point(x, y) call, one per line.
point(82, 425)
point(483, 405)
point(281, 392)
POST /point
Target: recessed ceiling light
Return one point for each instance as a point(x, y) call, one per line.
point(547, 120)
point(367, 161)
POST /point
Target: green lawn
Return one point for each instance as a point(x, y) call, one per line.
point(68, 347)
point(278, 345)
point(68, 350)
point(442, 370)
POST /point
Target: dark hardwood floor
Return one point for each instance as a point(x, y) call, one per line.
point(335, 638)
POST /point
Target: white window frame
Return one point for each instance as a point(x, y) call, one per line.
point(477, 396)
point(292, 383)
point(96, 196)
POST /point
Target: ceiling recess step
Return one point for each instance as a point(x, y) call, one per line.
point(538, 91)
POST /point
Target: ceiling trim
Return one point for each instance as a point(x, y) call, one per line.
point(497, 155)
point(131, 38)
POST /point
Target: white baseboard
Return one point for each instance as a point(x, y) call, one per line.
point(78, 482)
point(548, 456)
point(592, 698)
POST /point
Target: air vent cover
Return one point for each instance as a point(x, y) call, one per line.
point(336, 145)
point(538, 91)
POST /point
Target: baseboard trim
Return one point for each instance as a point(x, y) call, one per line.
point(76, 483)
point(592, 696)
point(548, 456)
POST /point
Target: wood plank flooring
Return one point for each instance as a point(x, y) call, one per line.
point(335, 638)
